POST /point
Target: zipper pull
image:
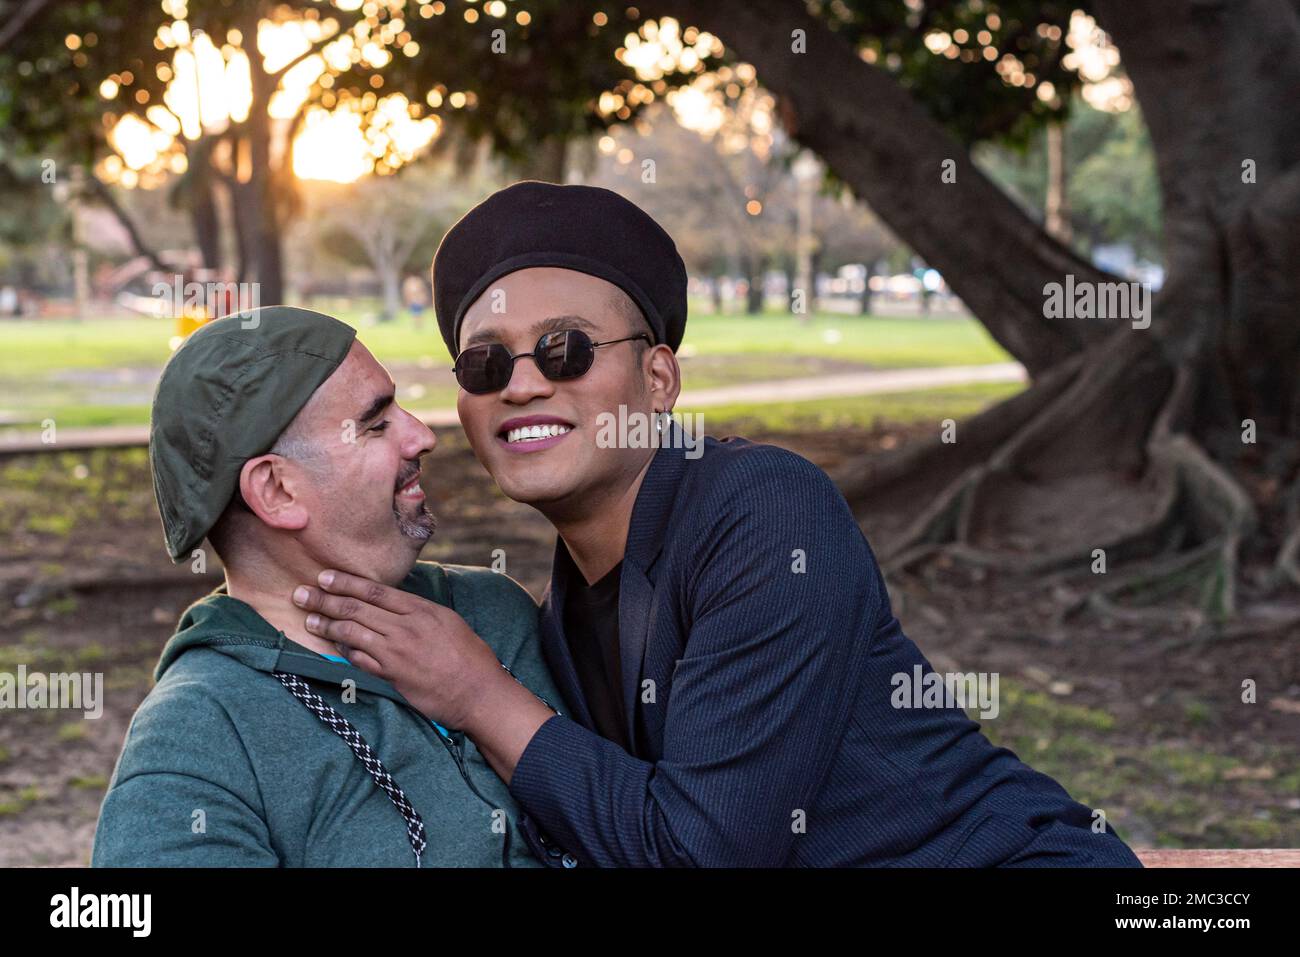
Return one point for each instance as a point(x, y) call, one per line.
point(530, 690)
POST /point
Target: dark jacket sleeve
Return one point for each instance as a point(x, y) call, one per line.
point(783, 596)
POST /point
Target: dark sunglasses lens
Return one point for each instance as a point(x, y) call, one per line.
point(483, 369)
point(565, 355)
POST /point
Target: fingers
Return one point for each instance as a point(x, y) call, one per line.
point(360, 659)
point(355, 637)
point(342, 608)
point(363, 589)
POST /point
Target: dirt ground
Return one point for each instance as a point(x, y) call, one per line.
point(1136, 722)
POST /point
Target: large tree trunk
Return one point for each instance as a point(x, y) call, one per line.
point(259, 227)
point(259, 202)
point(548, 162)
point(262, 206)
point(1169, 453)
point(1217, 83)
point(864, 300)
point(754, 268)
point(1174, 449)
point(206, 220)
point(881, 142)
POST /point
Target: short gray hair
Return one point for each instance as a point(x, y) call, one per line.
point(292, 444)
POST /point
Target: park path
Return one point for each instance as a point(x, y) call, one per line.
point(870, 382)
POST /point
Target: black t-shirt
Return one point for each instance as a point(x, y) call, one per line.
point(591, 628)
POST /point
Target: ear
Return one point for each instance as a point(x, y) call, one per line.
point(272, 487)
point(663, 377)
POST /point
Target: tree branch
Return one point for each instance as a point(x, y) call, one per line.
point(19, 20)
point(878, 139)
point(105, 196)
point(307, 54)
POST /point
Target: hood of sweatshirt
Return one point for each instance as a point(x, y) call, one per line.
point(232, 627)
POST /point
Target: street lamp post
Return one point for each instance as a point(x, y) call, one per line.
point(807, 171)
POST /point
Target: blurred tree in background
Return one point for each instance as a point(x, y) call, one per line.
point(100, 85)
point(1173, 444)
point(1166, 436)
point(392, 223)
point(1113, 194)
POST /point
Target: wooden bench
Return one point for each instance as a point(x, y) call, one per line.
point(1257, 857)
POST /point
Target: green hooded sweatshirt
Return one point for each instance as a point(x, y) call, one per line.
point(224, 767)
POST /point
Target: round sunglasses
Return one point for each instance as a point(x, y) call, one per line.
point(566, 354)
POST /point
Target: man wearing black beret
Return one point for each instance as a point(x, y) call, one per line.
point(718, 624)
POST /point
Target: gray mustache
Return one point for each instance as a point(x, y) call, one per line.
point(409, 471)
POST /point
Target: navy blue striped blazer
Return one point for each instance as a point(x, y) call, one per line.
point(760, 701)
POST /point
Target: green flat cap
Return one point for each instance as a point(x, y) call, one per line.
point(223, 398)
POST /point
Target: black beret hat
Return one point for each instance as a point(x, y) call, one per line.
point(585, 228)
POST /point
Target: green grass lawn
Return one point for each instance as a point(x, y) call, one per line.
point(892, 342)
point(1177, 786)
point(930, 405)
point(101, 371)
point(36, 346)
point(861, 411)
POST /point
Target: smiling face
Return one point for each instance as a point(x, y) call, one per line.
point(359, 481)
point(538, 437)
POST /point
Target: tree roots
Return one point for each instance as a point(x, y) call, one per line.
point(1089, 481)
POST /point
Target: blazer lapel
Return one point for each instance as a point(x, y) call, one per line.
point(635, 593)
point(555, 646)
point(645, 540)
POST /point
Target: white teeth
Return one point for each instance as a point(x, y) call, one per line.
point(531, 433)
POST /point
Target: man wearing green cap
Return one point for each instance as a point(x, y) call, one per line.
point(276, 436)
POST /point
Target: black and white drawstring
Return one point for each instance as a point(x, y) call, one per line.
point(365, 754)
